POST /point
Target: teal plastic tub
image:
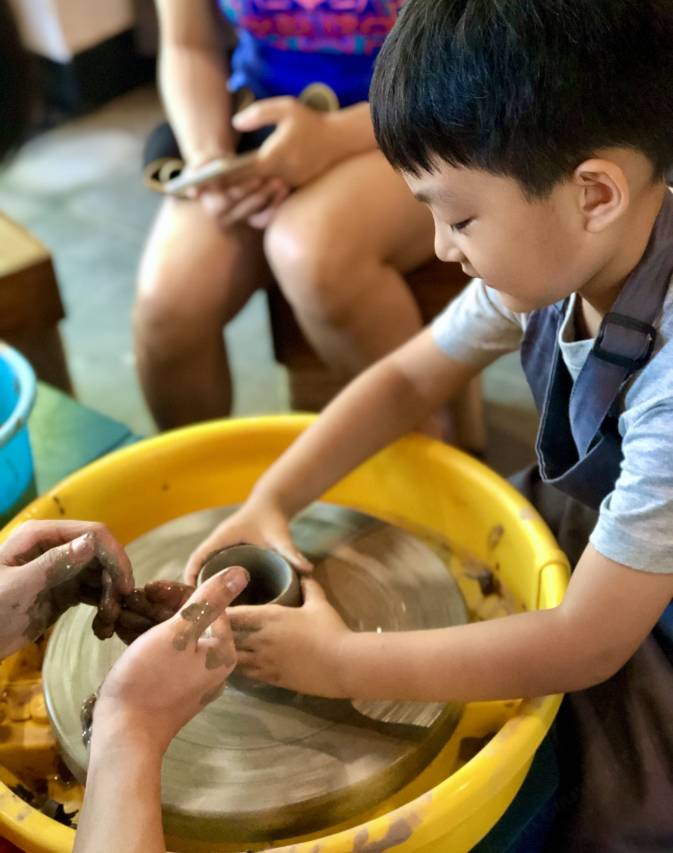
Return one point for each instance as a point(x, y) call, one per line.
point(17, 396)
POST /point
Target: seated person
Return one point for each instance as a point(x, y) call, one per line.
point(323, 212)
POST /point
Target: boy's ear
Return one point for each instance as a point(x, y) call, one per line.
point(603, 193)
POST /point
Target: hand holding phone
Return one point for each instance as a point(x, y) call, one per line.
point(227, 170)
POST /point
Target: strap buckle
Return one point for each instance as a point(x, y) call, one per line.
point(624, 322)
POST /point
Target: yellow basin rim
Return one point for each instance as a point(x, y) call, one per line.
point(181, 473)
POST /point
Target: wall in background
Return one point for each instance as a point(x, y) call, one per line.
point(59, 29)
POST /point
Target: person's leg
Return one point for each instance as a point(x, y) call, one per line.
point(194, 277)
point(338, 248)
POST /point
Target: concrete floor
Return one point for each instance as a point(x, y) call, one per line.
point(78, 188)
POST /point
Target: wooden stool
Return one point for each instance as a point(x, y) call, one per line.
point(30, 303)
point(312, 385)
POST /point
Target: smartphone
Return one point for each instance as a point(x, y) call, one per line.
point(237, 168)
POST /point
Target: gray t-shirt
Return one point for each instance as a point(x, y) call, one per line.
point(635, 521)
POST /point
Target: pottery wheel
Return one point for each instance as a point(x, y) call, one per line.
point(261, 763)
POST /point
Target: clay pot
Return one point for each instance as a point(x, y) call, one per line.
point(272, 578)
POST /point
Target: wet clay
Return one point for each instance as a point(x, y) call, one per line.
point(67, 585)
point(259, 762)
point(200, 615)
point(147, 606)
point(86, 718)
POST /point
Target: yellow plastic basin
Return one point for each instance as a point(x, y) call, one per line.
point(417, 482)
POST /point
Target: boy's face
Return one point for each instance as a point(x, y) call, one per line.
point(534, 252)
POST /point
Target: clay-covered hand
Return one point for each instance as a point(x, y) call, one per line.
point(253, 524)
point(299, 648)
point(147, 606)
point(48, 566)
point(301, 147)
point(171, 672)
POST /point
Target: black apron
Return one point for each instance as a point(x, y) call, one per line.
point(616, 739)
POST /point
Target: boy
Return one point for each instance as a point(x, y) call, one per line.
point(539, 133)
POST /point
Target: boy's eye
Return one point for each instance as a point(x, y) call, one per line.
point(460, 226)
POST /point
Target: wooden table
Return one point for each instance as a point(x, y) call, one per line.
point(30, 303)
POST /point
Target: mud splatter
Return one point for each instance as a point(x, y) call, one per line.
point(488, 582)
point(200, 614)
point(495, 535)
point(86, 718)
point(59, 505)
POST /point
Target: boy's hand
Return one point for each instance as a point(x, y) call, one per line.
point(298, 648)
point(173, 670)
point(48, 566)
point(253, 524)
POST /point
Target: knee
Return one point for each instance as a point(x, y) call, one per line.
point(309, 267)
point(167, 322)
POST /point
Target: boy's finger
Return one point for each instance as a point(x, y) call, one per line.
point(295, 558)
point(312, 591)
point(196, 559)
point(246, 617)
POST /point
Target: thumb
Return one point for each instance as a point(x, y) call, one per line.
point(313, 592)
point(286, 548)
point(65, 561)
point(211, 599)
point(262, 114)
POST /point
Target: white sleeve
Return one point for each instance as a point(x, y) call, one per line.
point(476, 328)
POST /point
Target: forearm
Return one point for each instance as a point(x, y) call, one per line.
point(525, 655)
point(193, 84)
point(122, 802)
point(352, 131)
point(374, 410)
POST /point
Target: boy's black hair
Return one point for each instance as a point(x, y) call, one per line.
point(525, 88)
point(15, 83)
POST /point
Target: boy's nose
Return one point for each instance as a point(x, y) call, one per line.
point(446, 250)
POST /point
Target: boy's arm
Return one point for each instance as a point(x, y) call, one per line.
point(382, 404)
point(608, 611)
point(385, 402)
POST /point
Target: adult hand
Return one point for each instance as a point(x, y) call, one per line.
point(252, 524)
point(170, 673)
point(48, 566)
point(299, 648)
point(301, 147)
point(253, 201)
